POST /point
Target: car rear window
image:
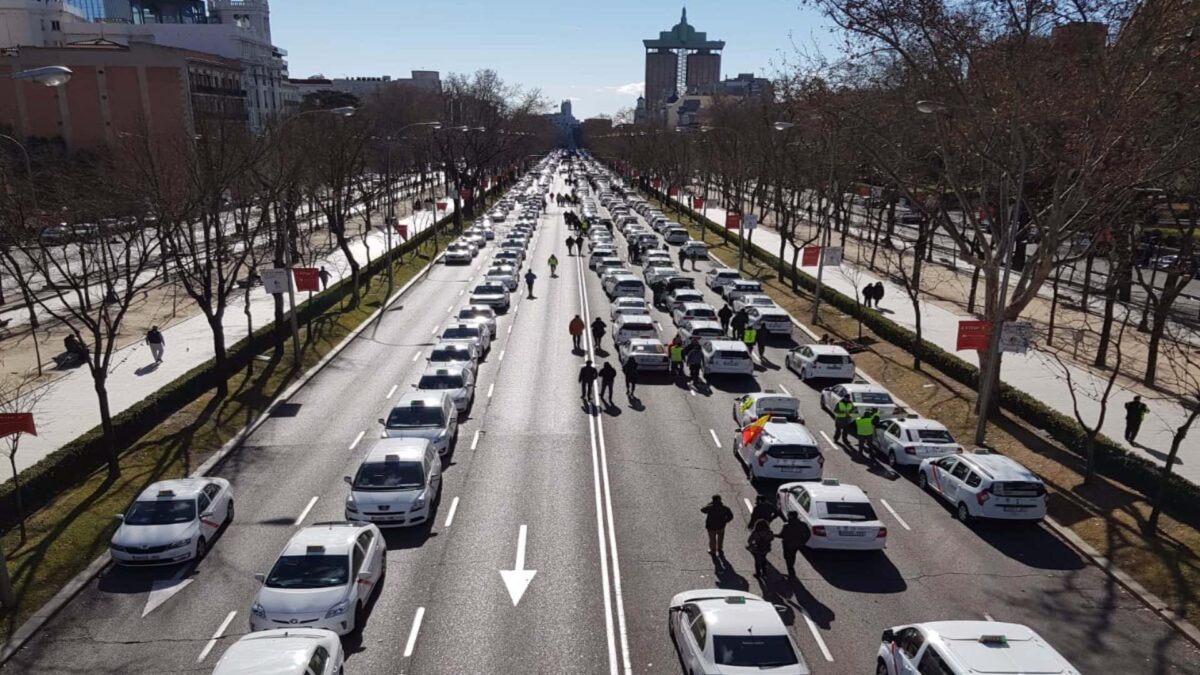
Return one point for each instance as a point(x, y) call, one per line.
point(649, 349)
point(833, 359)
point(790, 451)
point(1018, 489)
point(449, 355)
point(440, 382)
point(855, 511)
point(727, 354)
point(460, 332)
point(934, 436)
point(753, 651)
point(875, 397)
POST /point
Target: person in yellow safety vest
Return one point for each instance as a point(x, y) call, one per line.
point(842, 410)
point(749, 337)
point(864, 429)
point(553, 265)
point(676, 352)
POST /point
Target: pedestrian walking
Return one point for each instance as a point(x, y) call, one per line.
point(553, 262)
point(587, 380)
point(764, 510)
point(530, 277)
point(749, 337)
point(570, 245)
point(760, 343)
point(683, 259)
point(864, 431)
point(716, 517)
point(630, 370)
point(738, 323)
point(1135, 412)
point(759, 545)
point(608, 375)
point(842, 411)
point(675, 352)
point(868, 294)
point(576, 329)
point(598, 330)
point(794, 535)
point(878, 293)
point(725, 314)
point(694, 359)
point(324, 276)
point(157, 342)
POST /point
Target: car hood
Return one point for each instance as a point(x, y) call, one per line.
point(398, 501)
point(300, 600)
point(153, 535)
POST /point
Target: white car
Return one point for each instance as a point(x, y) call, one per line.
point(967, 648)
point(628, 306)
point(284, 651)
point(694, 250)
point(735, 287)
point(510, 256)
point(820, 361)
point(912, 439)
point(773, 320)
point(723, 631)
point(457, 381)
point(481, 314)
point(648, 353)
point(397, 483)
point(691, 311)
point(630, 326)
point(658, 273)
point(864, 397)
point(503, 274)
point(838, 516)
point(656, 259)
point(607, 263)
point(680, 296)
point(675, 235)
point(985, 485)
point(458, 254)
point(725, 357)
point(430, 415)
point(172, 521)
point(455, 353)
point(747, 300)
point(702, 329)
point(599, 255)
point(492, 294)
point(720, 276)
point(782, 451)
point(749, 407)
point(323, 578)
point(473, 332)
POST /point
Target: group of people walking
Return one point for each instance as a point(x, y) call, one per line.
point(793, 535)
point(607, 374)
point(872, 294)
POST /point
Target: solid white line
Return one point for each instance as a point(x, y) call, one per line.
point(412, 634)
point(784, 390)
point(716, 439)
point(491, 388)
point(450, 309)
point(450, 516)
point(392, 390)
point(304, 513)
point(894, 514)
point(462, 291)
point(416, 356)
point(502, 354)
point(216, 636)
point(510, 330)
point(829, 440)
point(816, 633)
point(749, 506)
point(358, 438)
point(475, 440)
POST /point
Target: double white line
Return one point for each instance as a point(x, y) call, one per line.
point(604, 515)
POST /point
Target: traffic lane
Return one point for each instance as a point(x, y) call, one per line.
point(533, 468)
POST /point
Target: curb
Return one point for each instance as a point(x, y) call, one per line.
point(72, 588)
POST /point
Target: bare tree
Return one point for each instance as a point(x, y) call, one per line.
point(1184, 365)
point(19, 393)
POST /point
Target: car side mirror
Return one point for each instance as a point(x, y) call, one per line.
point(782, 609)
point(382, 422)
point(348, 479)
point(364, 576)
point(206, 515)
point(888, 636)
point(119, 517)
point(260, 578)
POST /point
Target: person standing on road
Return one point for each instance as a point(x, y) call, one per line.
point(570, 244)
point(694, 359)
point(864, 430)
point(842, 412)
point(587, 380)
point(598, 330)
point(725, 314)
point(749, 337)
point(764, 510)
point(157, 342)
point(683, 259)
point(608, 375)
point(868, 294)
point(324, 276)
point(576, 329)
point(760, 343)
point(716, 517)
point(794, 534)
point(738, 323)
point(553, 262)
point(1135, 412)
point(530, 277)
point(630, 370)
point(759, 545)
point(675, 352)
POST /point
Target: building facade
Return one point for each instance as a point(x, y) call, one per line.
point(364, 87)
point(680, 58)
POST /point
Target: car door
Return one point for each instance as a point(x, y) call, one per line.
point(888, 437)
point(209, 521)
point(433, 469)
point(957, 484)
point(693, 634)
point(220, 501)
point(939, 474)
point(906, 650)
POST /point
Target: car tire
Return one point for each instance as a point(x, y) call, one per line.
point(201, 549)
point(962, 513)
point(923, 481)
point(229, 514)
point(892, 461)
point(881, 668)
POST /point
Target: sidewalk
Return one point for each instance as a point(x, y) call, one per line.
point(68, 409)
point(1035, 372)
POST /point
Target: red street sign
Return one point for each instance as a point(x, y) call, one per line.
point(733, 221)
point(810, 256)
point(441, 206)
point(401, 230)
point(673, 191)
point(973, 335)
point(17, 423)
point(697, 202)
point(656, 183)
point(307, 278)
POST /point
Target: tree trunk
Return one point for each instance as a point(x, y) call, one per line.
point(1110, 301)
point(1156, 333)
point(974, 291)
point(12, 462)
point(1053, 307)
point(1160, 495)
point(1087, 281)
point(99, 380)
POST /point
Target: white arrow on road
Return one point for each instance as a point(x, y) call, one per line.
point(164, 589)
point(517, 580)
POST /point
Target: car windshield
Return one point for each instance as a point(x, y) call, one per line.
point(389, 476)
point(849, 511)
point(161, 512)
point(309, 571)
point(486, 289)
point(440, 382)
point(872, 397)
point(934, 436)
point(449, 356)
point(459, 332)
point(420, 416)
point(753, 651)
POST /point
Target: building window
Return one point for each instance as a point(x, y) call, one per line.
point(54, 25)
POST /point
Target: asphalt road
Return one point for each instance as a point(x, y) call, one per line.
point(610, 499)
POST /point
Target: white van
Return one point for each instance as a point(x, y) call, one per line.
point(629, 326)
point(968, 647)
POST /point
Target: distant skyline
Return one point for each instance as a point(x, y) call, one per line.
point(589, 53)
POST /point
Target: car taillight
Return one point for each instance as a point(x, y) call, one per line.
point(818, 530)
point(881, 533)
point(762, 458)
point(982, 496)
point(910, 450)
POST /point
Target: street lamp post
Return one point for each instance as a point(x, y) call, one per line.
point(389, 220)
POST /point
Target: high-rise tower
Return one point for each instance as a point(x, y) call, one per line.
point(680, 58)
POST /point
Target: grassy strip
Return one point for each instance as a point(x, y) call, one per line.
point(1105, 514)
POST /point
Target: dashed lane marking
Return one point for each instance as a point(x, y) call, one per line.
point(450, 516)
point(357, 438)
point(475, 440)
point(304, 514)
point(216, 636)
point(491, 388)
point(416, 628)
point(832, 445)
point(392, 390)
point(716, 439)
point(894, 514)
point(416, 356)
point(816, 633)
point(749, 506)
point(784, 390)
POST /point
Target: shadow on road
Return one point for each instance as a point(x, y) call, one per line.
point(857, 571)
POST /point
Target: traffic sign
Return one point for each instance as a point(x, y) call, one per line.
point(810, 256)
point(17, 423)
point(307, 278)
point(832, 256)
point(973, 335)
point(733, 221)
point(275, 279)
point(1016, 336)
point(750, 221)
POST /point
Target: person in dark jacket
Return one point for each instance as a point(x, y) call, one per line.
point(1135, 412)
point(530, 277)
point(878, 293)
point(759, 545)
point(725, 314)
point(587, 380)
point(716, 517)
point(608, 375)
point(794, 535)
point(598, 330)
point(694, 359)
point(868, 294)
point(630, 369)
point(764, 510)
point(570, 245)
point(738, 323)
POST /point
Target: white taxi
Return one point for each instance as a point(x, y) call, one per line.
point(773, 320)
point(284, 651)
point(782, 451)
point(397, 483)
point(172, 521)
point(424, 414)
point(967, 648)
point(749, 407)
point(505, 275)
point(864, 397)
point(491, 293)
point(681, 296)
point(985, 485)
point(474, 333)
point(690, 311)
point(650, 354)
point(721, 276)
point(725, 357)
point(630, 326)
point(479, 314)
point(323, 578)
point(628, 306)
point(700, 329)
point(839, 516)
point(820, 361)
point(748, 300)
point(910, 440)
point(723, 631)
point(457, 381)
point(454, 353)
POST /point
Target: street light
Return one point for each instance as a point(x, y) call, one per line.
point(51, 76)
point(390, 218)
point(929, 107)
point(783, 126)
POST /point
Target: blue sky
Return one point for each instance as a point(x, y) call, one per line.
point(590, 52)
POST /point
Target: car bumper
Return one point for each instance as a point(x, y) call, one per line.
point(171, 557)
point(846, 543)
point(747, 369)
point(338, 624)
point(1012, 512)
point(386, 520)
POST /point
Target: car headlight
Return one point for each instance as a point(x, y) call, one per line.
point(350, 505)
point(180, 543)
point(419, 503)
point(258, 610)
point(441, 434)
point(338, 609)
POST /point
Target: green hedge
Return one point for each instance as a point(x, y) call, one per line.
point(74, 462)
point(1112, 460)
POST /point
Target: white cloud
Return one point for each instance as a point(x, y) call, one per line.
point(631, 89)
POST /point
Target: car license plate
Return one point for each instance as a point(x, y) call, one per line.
point(143, 557)
point(850, 532)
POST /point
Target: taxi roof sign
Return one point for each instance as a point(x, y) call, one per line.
point(993, 639)
point(314, 548)
point(735, 600)
point(166, 493)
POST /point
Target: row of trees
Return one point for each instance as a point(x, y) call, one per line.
point(87, 235)
point(1023, 139)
